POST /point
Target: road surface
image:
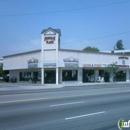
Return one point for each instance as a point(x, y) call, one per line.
point(79, 108)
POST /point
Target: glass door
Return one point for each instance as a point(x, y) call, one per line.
point(50, 76)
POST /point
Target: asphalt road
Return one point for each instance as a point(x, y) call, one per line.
point(67, 88)
point(78, 109)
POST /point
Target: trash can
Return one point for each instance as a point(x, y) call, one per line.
point(13, 80)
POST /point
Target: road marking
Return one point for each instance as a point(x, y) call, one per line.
point(90, 94)
point(91, 114)
point(66, 104)
point(37, 99)
point(63, 97)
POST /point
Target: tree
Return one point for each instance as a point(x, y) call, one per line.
point(112, 68)
point(1, 70)
point(119, 45)
point(89, 48)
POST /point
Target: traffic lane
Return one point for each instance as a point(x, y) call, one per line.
point(30, 116)
point(93, 100)
point(66, 88)
point(105, 121)
point(62, 94)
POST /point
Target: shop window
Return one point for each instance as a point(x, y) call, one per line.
point(39, 76)
point(25, 76)
point(120, 76)
point(105, 75)
point(88, 75)
point(69, 75)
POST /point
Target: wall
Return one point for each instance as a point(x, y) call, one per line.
point(20, 61)
point(14, 73)
point(91, 58)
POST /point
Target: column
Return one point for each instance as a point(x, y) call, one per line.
point(111, 76)
point(127, 76)
point(60, 77)
point(80, 75)
point(57, 73)
point(96, 75)
point(42, 75)
point(42, 59)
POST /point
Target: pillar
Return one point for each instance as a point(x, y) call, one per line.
point(111, 76)
point(80, 75)
point(127, 76)
point(96, 75)
point(57, 75)
point(42, 75)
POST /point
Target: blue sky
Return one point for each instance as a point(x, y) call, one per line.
point(98, 23)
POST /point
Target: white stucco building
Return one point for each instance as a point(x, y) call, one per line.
point(51, 64)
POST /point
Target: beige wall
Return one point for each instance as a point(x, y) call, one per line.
point(92, 58)
point(20, 61)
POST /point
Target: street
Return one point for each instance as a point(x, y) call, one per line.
point(74, 108)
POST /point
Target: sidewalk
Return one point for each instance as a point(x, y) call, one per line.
point(29, 86)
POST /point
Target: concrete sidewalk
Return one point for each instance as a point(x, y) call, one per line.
point(29, 86)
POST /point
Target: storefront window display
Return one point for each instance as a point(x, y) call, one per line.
point(25, 76)
point(104, 75)
point(88, 75)
point(69, 75)
point(120, 76)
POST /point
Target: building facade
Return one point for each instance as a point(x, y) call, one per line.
point(52, 65)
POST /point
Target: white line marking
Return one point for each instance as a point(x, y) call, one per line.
point(69, 118)
point(37, 99)
point(63, 97)
point(66, 104)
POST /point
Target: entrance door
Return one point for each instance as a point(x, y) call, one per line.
point(103, 73)
point(50, 76)
point(35, 77)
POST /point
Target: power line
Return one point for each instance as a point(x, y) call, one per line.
point(61, 11)
point(96, 38)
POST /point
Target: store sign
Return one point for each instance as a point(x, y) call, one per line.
point(33, 63)
point(87, 65)
point(95, 65)
point(92, 65)
point(71, 62)
point(49, 65)
point(123, 58)
point(104, 65)
point(123, 66)
point(49, 39)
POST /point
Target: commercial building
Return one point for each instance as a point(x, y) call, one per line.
point(52, 65)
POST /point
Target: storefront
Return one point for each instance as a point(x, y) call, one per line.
point(120, 75)
point(88, 75)
point(105, 75)
point(52, 65)
point(50, 76)
point(69, 75)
